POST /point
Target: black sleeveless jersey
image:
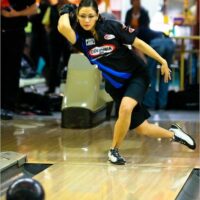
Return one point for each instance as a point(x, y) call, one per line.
point(110, 52)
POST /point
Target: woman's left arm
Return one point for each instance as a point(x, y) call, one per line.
point(149, 51)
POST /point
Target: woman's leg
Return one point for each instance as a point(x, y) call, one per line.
point(153, 130)
point(123, 122)
point(121, 128)
point(175, 133)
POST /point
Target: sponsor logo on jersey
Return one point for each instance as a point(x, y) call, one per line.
point(109, 36)
point(97, 51)
point(90, 42)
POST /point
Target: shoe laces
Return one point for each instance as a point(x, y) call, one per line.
point(116, 153)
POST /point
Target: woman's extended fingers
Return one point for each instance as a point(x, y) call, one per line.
point(167, 76)
point(166, 72)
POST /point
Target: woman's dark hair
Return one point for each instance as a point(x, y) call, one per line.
point(89, 3)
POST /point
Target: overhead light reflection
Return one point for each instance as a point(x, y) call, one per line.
point(85, 149)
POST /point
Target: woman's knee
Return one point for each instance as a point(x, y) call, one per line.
point(125, 110)
point(127, 106)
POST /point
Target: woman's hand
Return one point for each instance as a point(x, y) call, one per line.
point(148, 50)
point(165, 71)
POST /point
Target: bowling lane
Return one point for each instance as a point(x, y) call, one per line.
point(44, 141)
point(96, 181)
point(156, 168)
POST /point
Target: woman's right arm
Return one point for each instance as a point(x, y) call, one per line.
point(64, 27)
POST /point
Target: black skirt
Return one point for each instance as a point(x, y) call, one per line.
point(135, 88)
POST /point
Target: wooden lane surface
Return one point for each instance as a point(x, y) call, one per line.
point(91, 181)
point(45, 142)
point(155, 170)
point(95, 181)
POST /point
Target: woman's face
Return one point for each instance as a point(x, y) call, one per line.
point(87, 18)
